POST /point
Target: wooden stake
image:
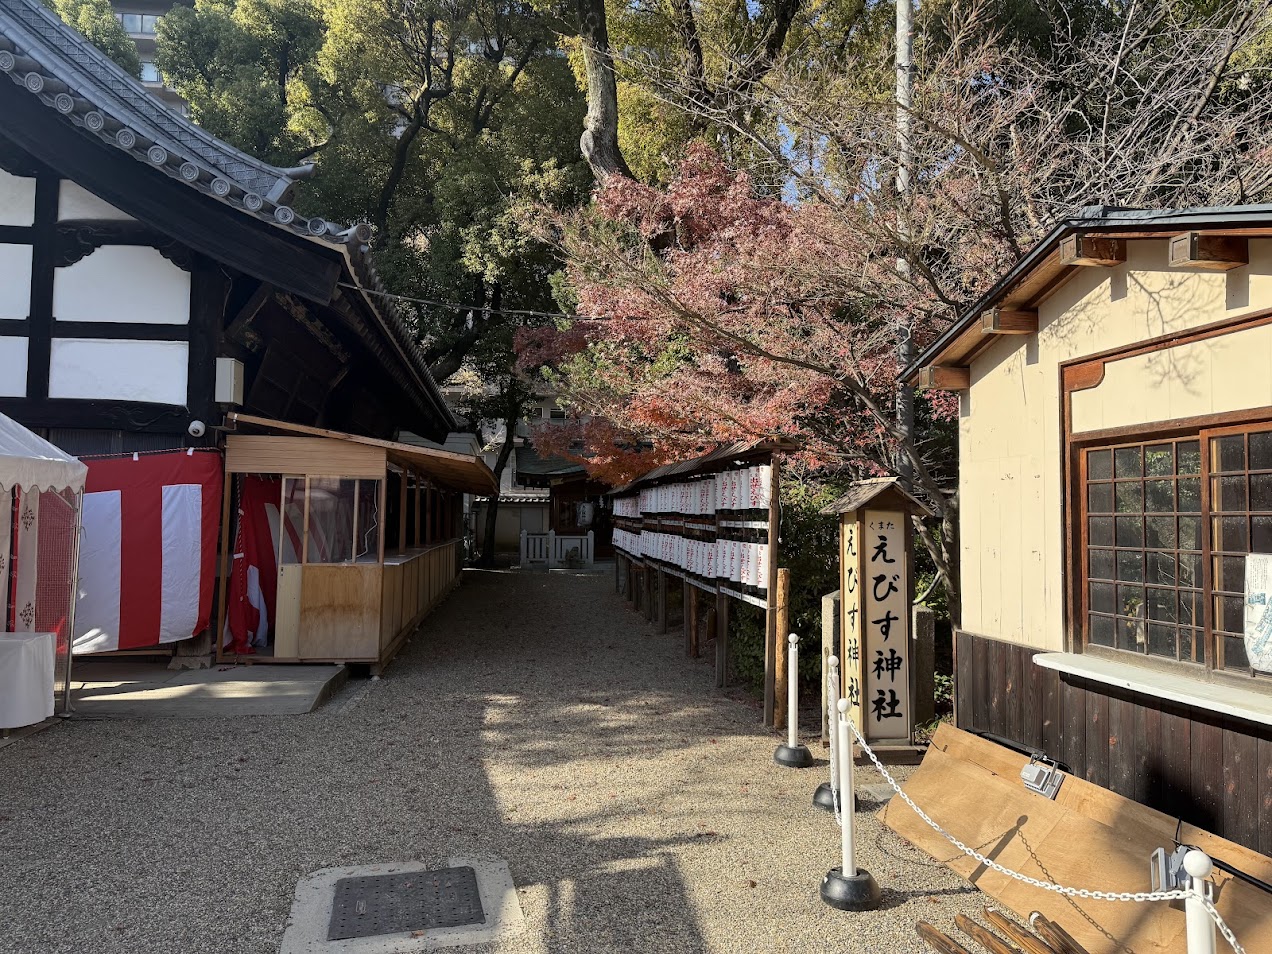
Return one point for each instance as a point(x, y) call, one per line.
point(1027, 942)
point(938, 941)
point(780, 675)
point(983, 936)
point(1056, 936)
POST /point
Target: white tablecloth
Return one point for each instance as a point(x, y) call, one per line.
point(26, 678)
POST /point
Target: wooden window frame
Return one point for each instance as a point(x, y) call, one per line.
point(1086, 373)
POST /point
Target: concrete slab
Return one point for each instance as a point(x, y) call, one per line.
point(306, 928)
point(130, 689)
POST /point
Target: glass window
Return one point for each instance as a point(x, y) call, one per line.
point(149, 73)
point(1159, 517)
point(1140, 559)
point(132, 22)
point(330, 520)
point(148, 24)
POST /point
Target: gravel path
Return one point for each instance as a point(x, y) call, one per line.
point(537, 720)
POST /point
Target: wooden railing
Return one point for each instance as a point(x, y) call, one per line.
point(557, 549)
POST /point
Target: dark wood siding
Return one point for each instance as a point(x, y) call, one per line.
point(1212, 771)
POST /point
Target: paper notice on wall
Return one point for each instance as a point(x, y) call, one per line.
point(1258, 613)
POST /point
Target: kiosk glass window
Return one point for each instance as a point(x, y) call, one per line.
point(1167, 527)
point(329, 520)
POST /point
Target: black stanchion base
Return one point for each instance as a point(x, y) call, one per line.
point(858, 893)
point(793, 756)
point(824, 798)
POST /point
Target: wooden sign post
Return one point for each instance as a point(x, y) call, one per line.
point(876, 589)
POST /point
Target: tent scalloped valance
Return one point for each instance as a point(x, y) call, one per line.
point(33, 464)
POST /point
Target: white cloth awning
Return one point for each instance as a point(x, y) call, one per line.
point(32, 463)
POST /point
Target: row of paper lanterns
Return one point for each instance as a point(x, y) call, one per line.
point(749, 488)
point(743, 563)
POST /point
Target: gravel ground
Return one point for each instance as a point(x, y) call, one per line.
point(535, 719)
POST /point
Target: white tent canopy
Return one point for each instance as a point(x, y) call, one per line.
point(32, 463)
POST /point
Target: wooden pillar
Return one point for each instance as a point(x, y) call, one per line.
point(383, 515)
point(663, 600)
point(722, 641)
point(692, 610)
point(428, 515)
point(685, 623)
point(418, 539)
point(227, 538)
point(781, 613)
point(771, 636)
point(401, 512)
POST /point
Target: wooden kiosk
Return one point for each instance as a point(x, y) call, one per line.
point(369, 536)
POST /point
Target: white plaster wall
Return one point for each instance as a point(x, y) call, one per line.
point(76, 202)
point(15, 282)
point(1011, 481)
point(17, 199)
point(121, 370)
point(13, 366)
point(122, 283)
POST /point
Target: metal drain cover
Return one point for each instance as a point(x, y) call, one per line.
point(392, 904)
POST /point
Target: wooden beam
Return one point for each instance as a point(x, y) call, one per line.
point(1009, 321)
point(1213, 252)
point(1080, 249)
point(263, 292)
point(944, 377)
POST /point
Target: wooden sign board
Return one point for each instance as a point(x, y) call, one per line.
point(876, 586)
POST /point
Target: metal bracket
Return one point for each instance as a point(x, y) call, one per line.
point(1042, 775)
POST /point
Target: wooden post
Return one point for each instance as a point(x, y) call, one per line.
point(304, 542)
point(227, 535)
point(773, 639)
point(781, 613)
point(685, 623)
point(384, 509)
point(663, 600)
point(401, 548)
point(428, 515)
point(692, 610)
point(722, 641)
point(418, 539)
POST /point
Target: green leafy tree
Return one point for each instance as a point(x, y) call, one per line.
point(439, 121)
point(95, 20)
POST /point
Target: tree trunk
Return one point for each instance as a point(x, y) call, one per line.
point(599, 142)
point(492, 508)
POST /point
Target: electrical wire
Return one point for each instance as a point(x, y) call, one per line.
point(456, 306)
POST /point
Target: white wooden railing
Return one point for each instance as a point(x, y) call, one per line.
point(556, 549)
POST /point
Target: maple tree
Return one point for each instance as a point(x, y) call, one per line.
point(735, 304)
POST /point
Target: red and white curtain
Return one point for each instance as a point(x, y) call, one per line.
point(148, 552)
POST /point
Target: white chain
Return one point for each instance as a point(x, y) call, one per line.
point(1175, 895)
point(832, 690)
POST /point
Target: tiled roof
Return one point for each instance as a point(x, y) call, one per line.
point(51, 61)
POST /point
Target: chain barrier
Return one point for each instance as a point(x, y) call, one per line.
point(1179, 894)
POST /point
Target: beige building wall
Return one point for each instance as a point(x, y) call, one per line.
point(1011, 480)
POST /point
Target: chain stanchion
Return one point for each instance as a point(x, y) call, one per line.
point(827, 794)
point(847, 887)
point(793, 754)
point(1195, 891)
